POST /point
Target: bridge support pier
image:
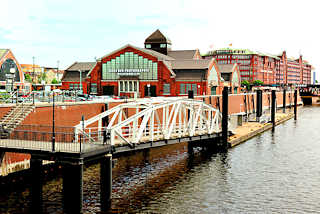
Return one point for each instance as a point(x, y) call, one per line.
point(36, 184)
point(73, 186)
point(190, 148)
point(106, 182)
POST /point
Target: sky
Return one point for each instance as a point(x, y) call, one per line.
point(60, 32)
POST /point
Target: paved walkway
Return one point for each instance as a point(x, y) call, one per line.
point(251, 129)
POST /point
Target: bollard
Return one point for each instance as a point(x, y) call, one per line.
point(225, 118)
point(284, 101)
point(273, 108)
point(295, 104)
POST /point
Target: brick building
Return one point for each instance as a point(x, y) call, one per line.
point(10, 70)
point(156, 70)
point(271, 69)
point(71, 76)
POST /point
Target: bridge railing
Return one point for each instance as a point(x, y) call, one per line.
point(154, 120)
point(63, 139)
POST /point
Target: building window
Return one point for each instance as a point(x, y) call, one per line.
point(128, 86)
point(182, 88)
point(163, 45)
point(194, 89)
point(213, 90)
point(148, 45)
point(166, 88)
point(129, 64)
point(93, 88)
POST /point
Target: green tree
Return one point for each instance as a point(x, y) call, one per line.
point(27, 77)
point(257, 82)
point(54, 81)
point(246, 83)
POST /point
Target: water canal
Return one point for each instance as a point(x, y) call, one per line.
point(276, 172)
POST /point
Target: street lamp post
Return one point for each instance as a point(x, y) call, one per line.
point(148, 86)
point(12, 71)
point(53, 126)
point(80, 85)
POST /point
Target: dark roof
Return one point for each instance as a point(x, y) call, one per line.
point(190, 75)
point(74, 76)
point(156, 54)
point(3, 52)
point(182, 54)
point(83, 66)
point(190, 64)
point(157, 37)
point(226, 68)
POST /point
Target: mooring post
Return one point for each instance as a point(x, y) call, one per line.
point(225, 118)
point(105, 123)
point(190, 146)
point(259, 105)
point(82, 138)
point(273, 108)
point(36, 184)
point(295, 103)
point(73, 186)
point(106, 182)
point(284, 101)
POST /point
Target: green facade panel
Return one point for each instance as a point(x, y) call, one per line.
point(130, 64)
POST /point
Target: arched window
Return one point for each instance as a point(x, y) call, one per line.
point(5, 69)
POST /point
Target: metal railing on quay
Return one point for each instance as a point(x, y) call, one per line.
point(64, 139)
point(41, 96)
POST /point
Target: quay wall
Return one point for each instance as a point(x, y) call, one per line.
point(65, 115)
point(237, 102)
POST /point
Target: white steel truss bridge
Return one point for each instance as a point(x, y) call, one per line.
point(152, 121)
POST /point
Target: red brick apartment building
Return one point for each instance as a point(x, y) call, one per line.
point(155, 70)
point(271, 69)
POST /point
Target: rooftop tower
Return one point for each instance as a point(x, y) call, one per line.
point(158, 42)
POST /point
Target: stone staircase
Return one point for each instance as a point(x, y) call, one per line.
point(13, 118)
